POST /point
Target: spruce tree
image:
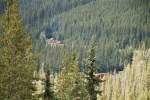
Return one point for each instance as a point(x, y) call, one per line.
point(49, 93)
point(17, 59)
point(90, 71)
point(70, 82)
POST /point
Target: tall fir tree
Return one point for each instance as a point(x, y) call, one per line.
point(70, 83)
point(90, 71)
point(17, 60)
point(49, 92)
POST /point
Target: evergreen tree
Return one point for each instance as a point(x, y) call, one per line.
point(17, 59)
point(131, 84)
point(70, 82)
point(92, 81)
point(49, 93)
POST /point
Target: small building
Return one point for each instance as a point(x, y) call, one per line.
point(54, 42)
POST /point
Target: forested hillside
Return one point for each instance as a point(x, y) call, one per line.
point(39, 12)
point(74, 49)
point(118, 26)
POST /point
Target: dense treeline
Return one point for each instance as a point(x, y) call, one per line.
point(118, 25)
point(131, 84)
point(47, 9)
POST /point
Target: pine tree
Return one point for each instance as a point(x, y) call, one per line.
point(132, 83)
point(70, 82)
point(49, 93)
point(92, 81)
point(17, 59)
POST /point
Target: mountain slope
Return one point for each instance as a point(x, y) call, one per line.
point(118, 26)
point(36, 13)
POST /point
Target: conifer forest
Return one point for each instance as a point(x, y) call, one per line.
point(74, 49)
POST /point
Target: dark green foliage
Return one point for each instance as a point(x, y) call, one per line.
point(90, 71)
point(119, 27)
point(49, 93)
point(36, 20)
